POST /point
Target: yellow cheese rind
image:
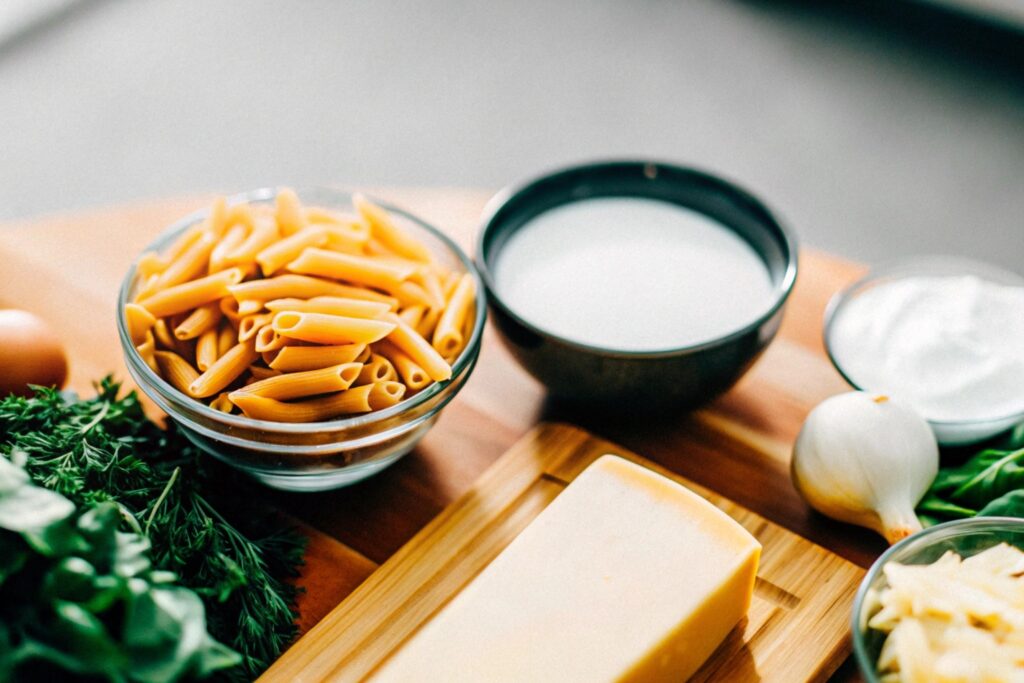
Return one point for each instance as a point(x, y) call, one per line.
point(626, 576)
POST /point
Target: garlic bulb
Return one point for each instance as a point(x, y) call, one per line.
point(867, 460)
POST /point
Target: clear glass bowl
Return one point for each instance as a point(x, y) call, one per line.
point(947, 432)
point(965, 537)
point(311, 456)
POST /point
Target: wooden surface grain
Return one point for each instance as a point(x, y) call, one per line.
point(68, 269)
point(803, 593)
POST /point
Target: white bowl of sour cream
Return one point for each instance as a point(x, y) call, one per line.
point(943, 334)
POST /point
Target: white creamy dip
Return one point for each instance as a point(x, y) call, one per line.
point(952, 346)
point(632, 274)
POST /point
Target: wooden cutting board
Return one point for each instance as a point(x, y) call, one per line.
point(796, 629)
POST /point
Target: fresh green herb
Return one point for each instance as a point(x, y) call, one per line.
point(201, 524)
point(78, 597)
point(989, 484)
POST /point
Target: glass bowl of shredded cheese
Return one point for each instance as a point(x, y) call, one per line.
point(945, 605)
point(309, 338)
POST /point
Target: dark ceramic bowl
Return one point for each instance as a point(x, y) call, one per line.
point(672, 378)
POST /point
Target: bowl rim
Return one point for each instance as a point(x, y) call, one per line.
point(509, 193)
point(860, 653)
point(466, 358)
point(894, 270)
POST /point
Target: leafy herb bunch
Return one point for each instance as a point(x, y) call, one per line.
point(197, 517)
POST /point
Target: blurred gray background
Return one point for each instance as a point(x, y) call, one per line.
point(875, 129)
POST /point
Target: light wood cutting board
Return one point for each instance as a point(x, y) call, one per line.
point(796, 629)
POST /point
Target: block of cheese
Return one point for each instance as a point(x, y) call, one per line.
point(625, 576)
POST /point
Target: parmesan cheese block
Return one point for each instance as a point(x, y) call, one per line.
point(626, 576)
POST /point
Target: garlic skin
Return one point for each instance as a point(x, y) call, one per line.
point(867, 460)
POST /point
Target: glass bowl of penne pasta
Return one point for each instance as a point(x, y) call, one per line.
point(307, 338)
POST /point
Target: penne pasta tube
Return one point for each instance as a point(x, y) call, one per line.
point(350, 222)
point(303, 287)
point(190, 264)
point(227, 337)
point(189, 295)
point(224, 371)
point(250, 325)
point(447, 337)
point(348, 238)
point(222, 403)
point(413, 376)
point(249, 307)
point(361, 270)
point(274, 257)
point(178, 372)
point(263, 234)
point(331, 305)
point(364, 356)
point(164, 337)
point(216, 222)
point(360, 399)
point(139, 322)
point(412, 315)
point(432, 286)
point(207, 350)
point(320, 328)
point(418, 349)
point(240, 214)
point(148, 286)
point(389, 234)
point(292, 385)
point(232, 240)
point(376, 369)
point(411, 294)
point(298, 358)
point(200, 320)
point(450, 282)
point(269, 340)
point(260, 373)
point(229, 307)
point(428, 323)
point(189, 237)
point(150, 263)
point(288, 212)
point(146, 349)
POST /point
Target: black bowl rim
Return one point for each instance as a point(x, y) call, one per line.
point(511, 192)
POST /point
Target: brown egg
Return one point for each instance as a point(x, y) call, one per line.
point(30, 353)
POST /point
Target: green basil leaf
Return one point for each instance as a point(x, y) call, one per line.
point(1008, 505)
point(23, 506)
point(997, 473)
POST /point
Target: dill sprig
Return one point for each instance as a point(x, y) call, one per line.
point(234, 554)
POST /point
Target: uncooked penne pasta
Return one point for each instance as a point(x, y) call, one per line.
point(447, 337)
point(249, 307)
point(359, 270)
point(227, 337)
point(146, 349)
point(263, 234)
point(207, 351)
point(224, 371)
point(222, 403)
point(251, 325)
point(192, 294)
point(320, 328)
point(413, 376)
point(190, 264)
point(232, 240)
point(390, 235)
point(412, 315)
point(288, 212)
point(177, 371)
point(331, 305)
point(418, 349)
point(360, 399)
point(268, 340)
point(139, 322)
point(303, 287)
point(376, 369)
point(295, 313)
point(200, 320)
point(298, 358)
point(260, 373)
point(274, 257)
point(304, 384)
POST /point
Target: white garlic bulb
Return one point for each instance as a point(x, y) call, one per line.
point(867, 460)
